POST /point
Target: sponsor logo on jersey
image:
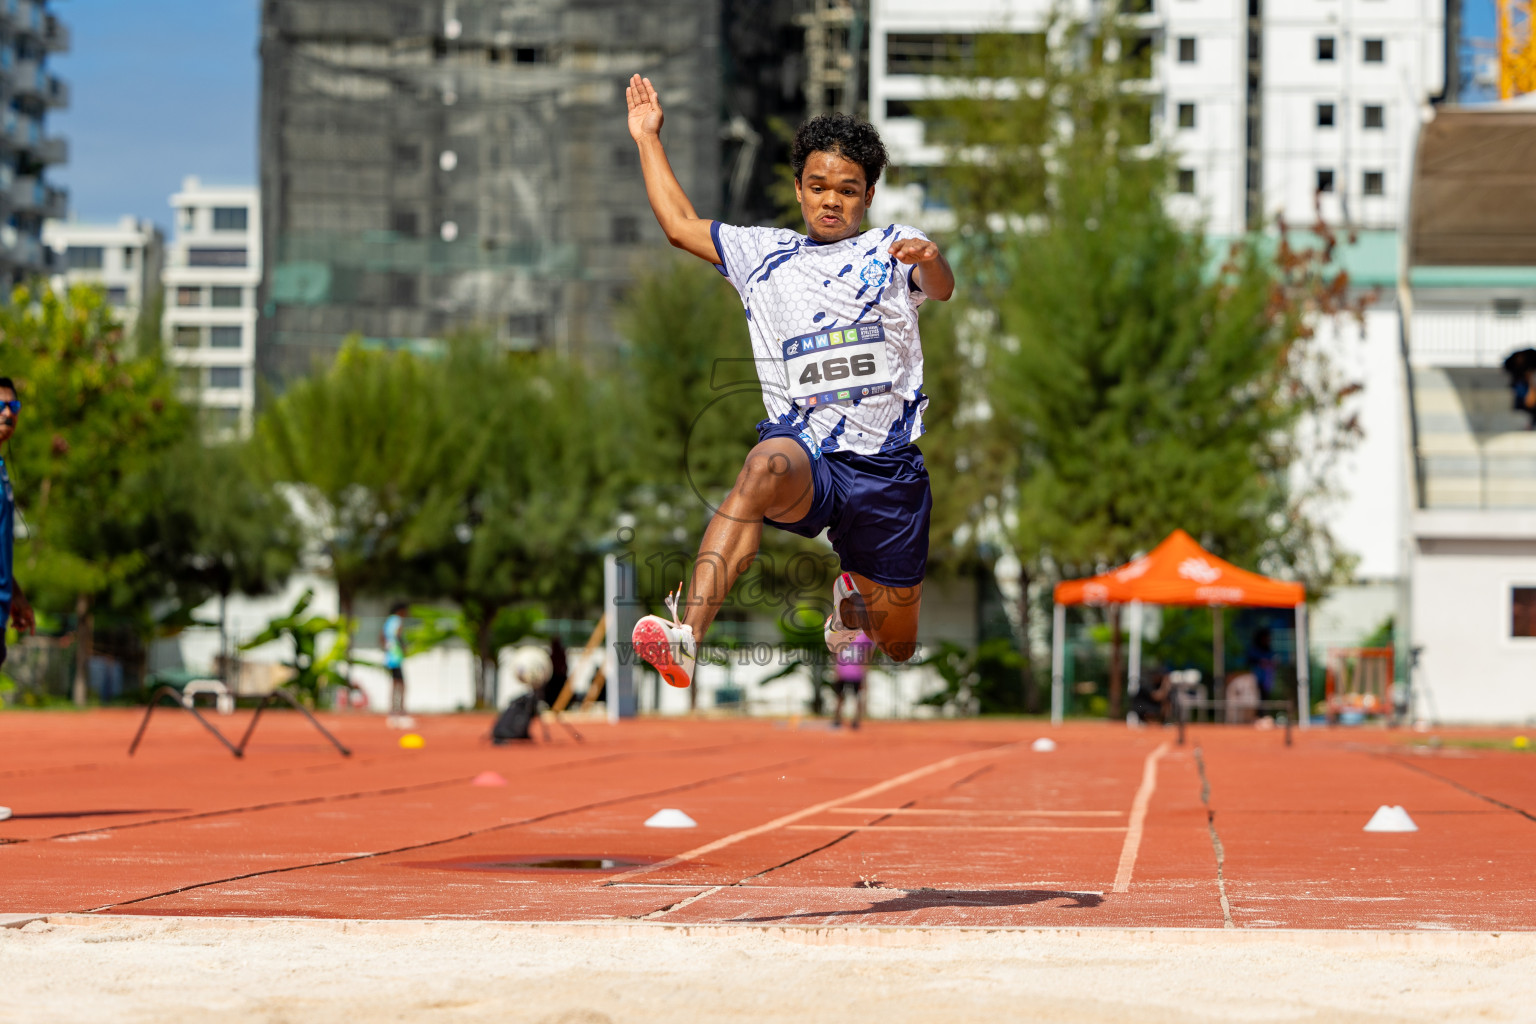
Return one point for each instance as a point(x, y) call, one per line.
point(811, 400)
point(842, 394)
point(794, 348)
point(821, 341)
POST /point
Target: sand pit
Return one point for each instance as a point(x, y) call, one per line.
point(79, 968)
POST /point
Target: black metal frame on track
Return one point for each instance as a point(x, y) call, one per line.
point(1183, 705)
point(237, 750)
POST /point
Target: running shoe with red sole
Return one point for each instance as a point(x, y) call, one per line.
point(669, 647)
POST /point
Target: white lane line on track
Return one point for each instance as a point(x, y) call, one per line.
point(1138, 820)
point(956, 828)
point(791, 818)
point(969, 812)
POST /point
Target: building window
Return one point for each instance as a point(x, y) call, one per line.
point(224, 376)
point(1523, 602)
point(84, 257)
point(530, 55)
point(187, 336)
point(1186, 115)
point(221, 417)
point(1507, 307)
point(224, 336)
point(189, 377)
point(928, 53)
point(900, 108)
point(1325, 181)
point(407, 156)
point(1375, 183)
point(626, 230)
point(1325, 47)
point(1186, 180)
point(117, 296)
point(402, 289)
point(188, 218)
point(129, 255)
point(186, 296)
point(403, 222)
point(229, 218)
point(228, 298)
point(1187, 50)
point(216, 257)
point(1375, 51)
point(1325, 115)
point(1375, 116)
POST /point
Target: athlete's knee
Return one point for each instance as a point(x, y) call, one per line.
point(763, 475)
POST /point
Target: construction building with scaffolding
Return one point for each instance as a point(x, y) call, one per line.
point(436, 168)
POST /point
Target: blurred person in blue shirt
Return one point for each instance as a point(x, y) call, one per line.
point(16, 610)
point(394, 660)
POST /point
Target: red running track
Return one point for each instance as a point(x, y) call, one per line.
point(902, 823)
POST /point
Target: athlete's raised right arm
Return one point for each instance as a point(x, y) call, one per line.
point(685, 228)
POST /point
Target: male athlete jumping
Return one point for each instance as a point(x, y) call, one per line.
point(832, 315)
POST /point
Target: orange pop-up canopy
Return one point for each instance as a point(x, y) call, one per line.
point(1177, 571)
point(1180, 571)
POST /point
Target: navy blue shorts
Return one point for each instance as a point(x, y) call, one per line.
point(875, 509)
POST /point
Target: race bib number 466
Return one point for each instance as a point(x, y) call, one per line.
point(837, 366)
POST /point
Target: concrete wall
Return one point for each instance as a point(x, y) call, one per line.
point(1471, 669)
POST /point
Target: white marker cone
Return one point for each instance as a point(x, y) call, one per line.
point(1043, 745)
point(670, 817)
point(1390, 819)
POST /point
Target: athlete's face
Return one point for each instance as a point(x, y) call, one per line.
point(833, 196)
point(7, 415)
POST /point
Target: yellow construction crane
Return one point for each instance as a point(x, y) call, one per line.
point(1517, 49)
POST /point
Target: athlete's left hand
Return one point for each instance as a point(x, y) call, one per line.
point(914, 250)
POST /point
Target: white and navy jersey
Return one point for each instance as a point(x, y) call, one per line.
point(834, 333)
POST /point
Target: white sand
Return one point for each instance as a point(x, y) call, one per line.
point(122, 969)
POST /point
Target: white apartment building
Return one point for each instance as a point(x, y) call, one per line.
point(1267, 105)
point(1468, 289)
point(211, 274)
point(123, 259)
point(1271, 107)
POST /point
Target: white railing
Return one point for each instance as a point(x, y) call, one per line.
point(1468, 337)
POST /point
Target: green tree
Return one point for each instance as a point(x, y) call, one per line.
point(97, 417)
point(212, 528)
point(524, 509)
point(1140, 380)
point(312, 668)
point(360, 446)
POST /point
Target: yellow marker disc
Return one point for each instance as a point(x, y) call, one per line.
point(1520, 743)
point(412, 741)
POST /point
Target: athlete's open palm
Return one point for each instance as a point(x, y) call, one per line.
point(644, 108)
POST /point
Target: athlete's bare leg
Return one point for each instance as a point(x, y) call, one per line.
point(887, 614)
point(774, 483)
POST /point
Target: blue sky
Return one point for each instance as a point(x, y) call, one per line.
point(166, 88)
point(159, 89)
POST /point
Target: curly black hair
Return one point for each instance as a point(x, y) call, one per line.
point(844, 135)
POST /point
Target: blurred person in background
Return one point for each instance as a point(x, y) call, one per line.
point(17, 611)
point(394, 659)
point(852, 675)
